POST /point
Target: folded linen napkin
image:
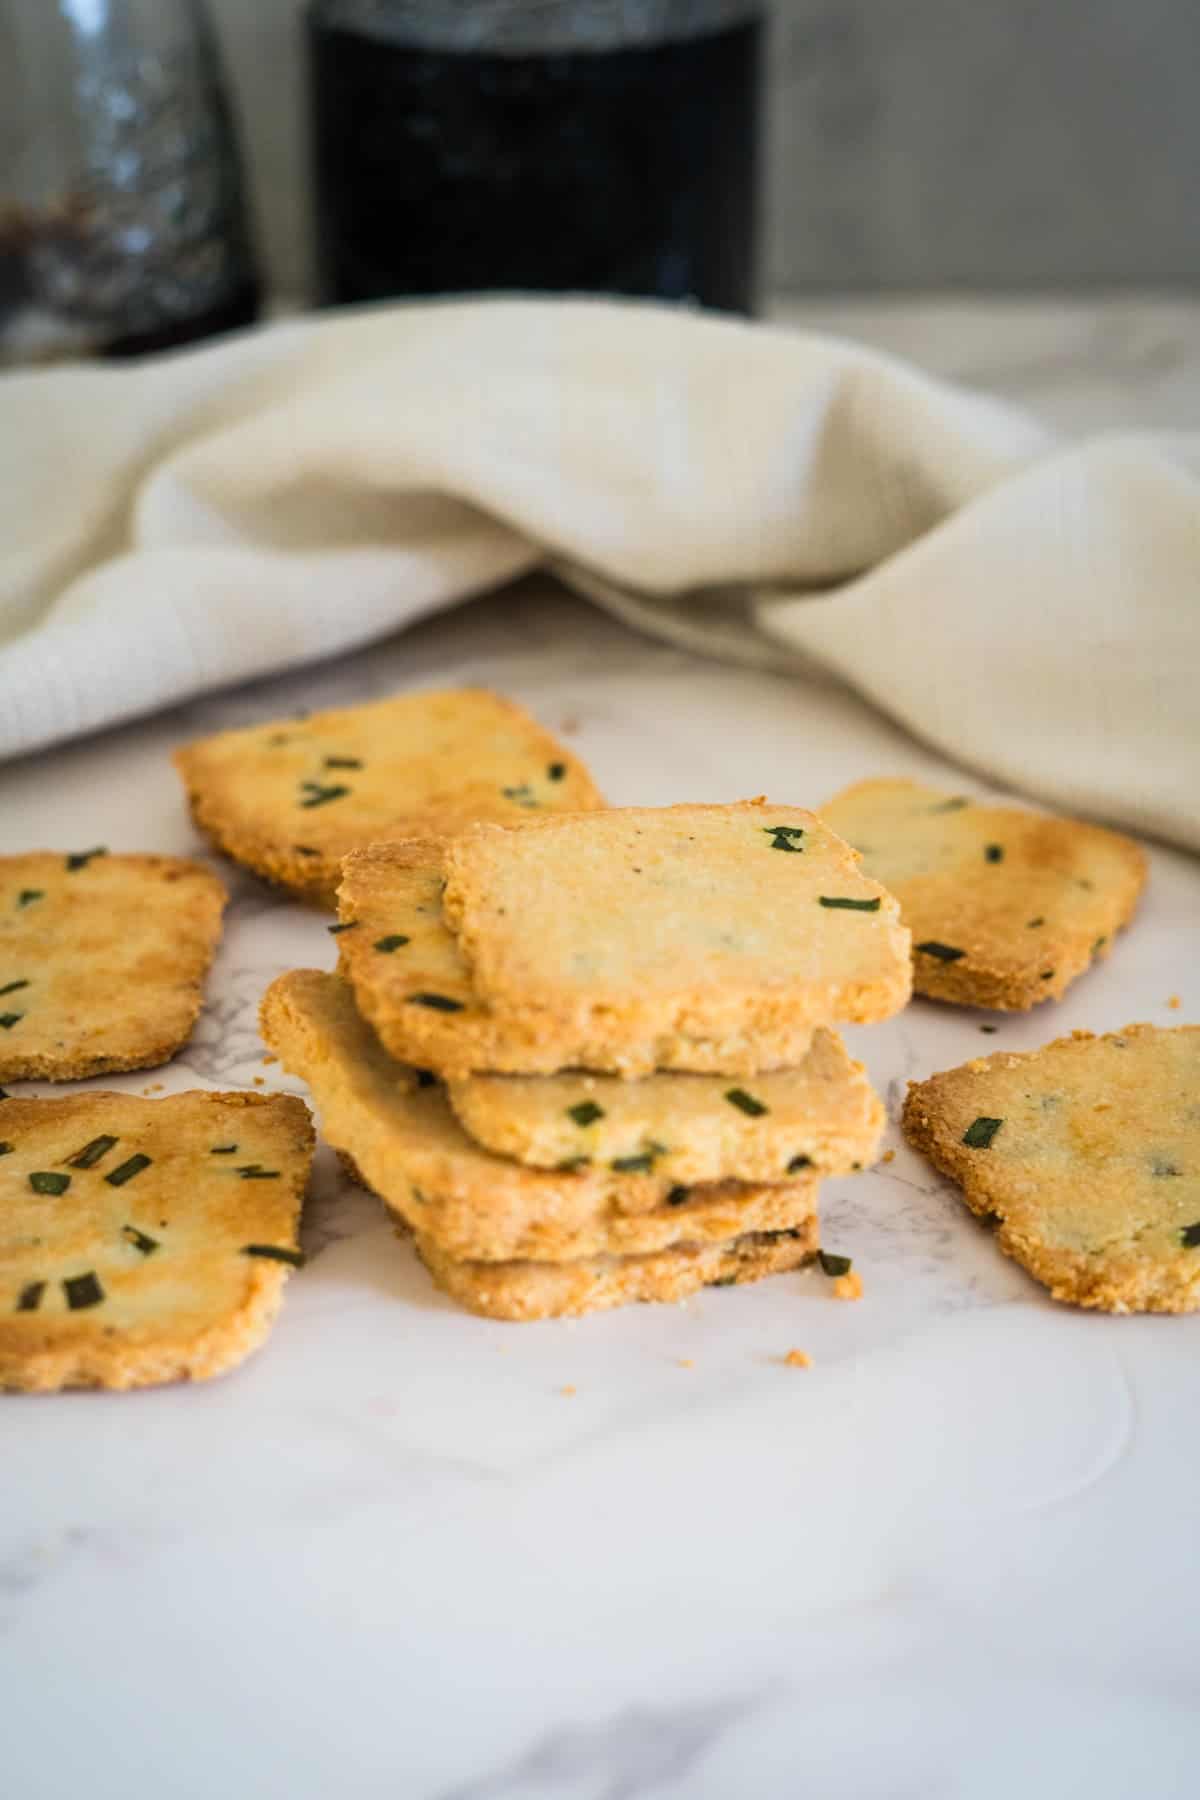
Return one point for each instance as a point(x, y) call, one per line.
point(1031, 610)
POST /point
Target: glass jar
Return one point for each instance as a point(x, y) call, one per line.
point(122, 219)
point(565, 145)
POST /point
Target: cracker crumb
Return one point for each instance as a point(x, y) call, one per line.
point(570, 725)
point(686, 1362)
point(268, 1060)
point(1174, 1003)
point(848, 1287)
point(888, 1156)
point(567, 1391)
point(259, 1082)
point(799, 1359)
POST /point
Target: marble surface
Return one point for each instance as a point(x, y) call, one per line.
point(394, 1556)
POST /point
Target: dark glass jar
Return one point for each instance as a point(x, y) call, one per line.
point(555, 145)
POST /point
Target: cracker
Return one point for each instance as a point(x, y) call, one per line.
point(1085, 1155)
point(697, 919)
point(102, 959)
point(411, 982)
point(407, 1145)
point(144, 1240)
point(532, 1290)
point(1006, 908)
point(821, 1115)
point(292, 797)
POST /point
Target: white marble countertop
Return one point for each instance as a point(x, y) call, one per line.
point(391, 1556)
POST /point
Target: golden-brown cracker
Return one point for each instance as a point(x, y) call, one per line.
point(1085, 1155)
point(1006, 908)
point(679, 918)
point(822, 1115)
point(411, 982)
point(408, 1147)
point(291, 798)
point(144, 1241)
point(102, 960)
point(532, 1290)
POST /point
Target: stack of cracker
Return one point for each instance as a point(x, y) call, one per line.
point(590, 1059)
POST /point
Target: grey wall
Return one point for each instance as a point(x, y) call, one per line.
point(911, 143)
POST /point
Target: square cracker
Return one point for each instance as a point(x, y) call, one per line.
point(292, 797)
point(696, 918)
point(144, 1241)
point(822, 1115)
point(532, 1290)
point(1006, 908)
point(102, 960)
point(411, 981)
point(401, 1135)
point(1085, 1155)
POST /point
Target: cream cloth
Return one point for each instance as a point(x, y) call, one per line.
point(1031, 610)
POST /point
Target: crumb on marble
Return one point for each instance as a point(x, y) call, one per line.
point(268, 1060)
point(569, 726)
point(1174, 1003)
point(848, 1287)
point(799, 1359)
point(687, 1362)
point(567, 1392)
point(259, 1082)
point(888, 1156)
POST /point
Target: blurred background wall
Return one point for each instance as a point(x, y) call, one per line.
point(911, 143)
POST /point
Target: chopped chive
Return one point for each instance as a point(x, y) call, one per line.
point(13, 986)
point(980, 1132)
point(425, 1078)
point(91, 1153)
point(754, 1109)
point(954, 805)
point(523, 795)
point(346, 925)
point(1189, 1237)
point(343, 762)
point(676, 1196)
point(139, 1240)
point(1034, 923)
point(316, 795)
point(633, 1165)
point(256, 1172)
point(799, 1162)
point(586, 1112)
point(1047, 975)
point(848, 905)
point(573, 1164)
point(27, 896)
point(785, 837)
point(438, 1002)
point(556, 771)
point(275, 1253)
point(305, 850)
point(943, 952)
point(989, 1029)
point(8, 1020)
point(49, 1181)
point(833, 1265)
point(79, 859)
point(7, 1149)
point(724, 1281)
point(82, 1290)
point(1099, 944)
point(30, 1297)
point(1163, 1169)
point(994, 853)
point(126, 1171)
point(394, 941)
point(223, 1150)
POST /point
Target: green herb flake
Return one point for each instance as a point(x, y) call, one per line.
point(832, 1265)
point(556, 771)
point(139, 1240)
point(848, 905)
point(27, 896)
point(7, 1149)
point(989, 1029)
point(753, 1109)
point(1099, 945)
point(83, 1290)
point(724, 1281)
point(943, 952)
point(1189, 1237)
point(346, 925)
point(223, 1150)
point(585, 1112)
point(90, 1155)
point(8, 1020)
point(799, 1162)
point(79, 859)
point(256, 1172)
point(947, 806)
point(436, 1002)
point(4, 1094)
point(980, 1132)
point(785, 837)
point(523, 795)
point(395, 941)
point(1163, 1170)
point(305, 850)
point(126, 1171)
point(12, 986)
point(30, 1297)
point(49, 1181)
point(316, 795)
point(677, 1196)
point(343, 762)
point(1047, 975)
point(275, 1253)
point(573, 1164)
point(633, 1165)
point(994, 853)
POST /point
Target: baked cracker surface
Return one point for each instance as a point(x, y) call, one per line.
point(1085, 1156)
point(144, 1241)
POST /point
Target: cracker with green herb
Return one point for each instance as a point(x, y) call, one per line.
point(822, 1115)
point(144, 1241)
point(291, 797)
point(1006, 908)
point(524, 1291)
point(102, 960)
point(1085, 1156)
point(397, 1126)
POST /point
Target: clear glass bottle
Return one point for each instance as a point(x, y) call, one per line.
point(123, 223)
point(568, 145)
